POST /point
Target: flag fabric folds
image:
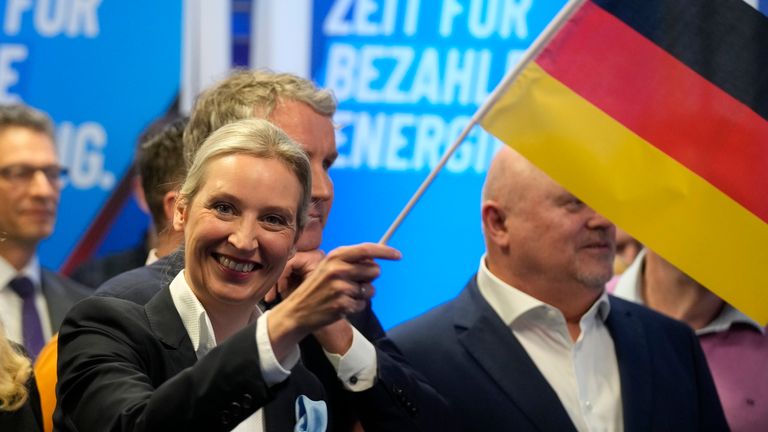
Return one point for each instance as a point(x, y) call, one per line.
point(655, 113)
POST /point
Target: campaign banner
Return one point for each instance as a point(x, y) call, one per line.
point(408, 75)
point(103, 70)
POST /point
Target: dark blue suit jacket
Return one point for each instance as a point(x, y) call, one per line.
point(472, 358)
point(400, 401)
point(96, 271)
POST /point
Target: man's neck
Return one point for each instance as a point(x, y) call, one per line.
point(167, 242)
point(573, 301)
point(17, 255)
point(679, 296)
point(572, 298)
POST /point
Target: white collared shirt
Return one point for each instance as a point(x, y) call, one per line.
point(11, 304)
point(584, 374)
point(359, 360)
point(630, 286)
point(151, 257)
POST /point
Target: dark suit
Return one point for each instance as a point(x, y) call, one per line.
point(123, 366)
point(60, 294)
point(96, 271)
point(400, 400)
point(472, 358)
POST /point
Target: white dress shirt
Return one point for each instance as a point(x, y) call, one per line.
point(152, 257)
point(11, 304)
point(359, 361)
point(584, 374)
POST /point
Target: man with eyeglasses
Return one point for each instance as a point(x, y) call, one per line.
point(33, 301)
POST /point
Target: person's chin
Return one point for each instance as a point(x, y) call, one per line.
point(38, 232)
point(312, 236)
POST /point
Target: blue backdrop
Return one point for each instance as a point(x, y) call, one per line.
point(103, 70)
point(408, 75)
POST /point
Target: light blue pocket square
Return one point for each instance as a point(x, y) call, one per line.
point(311, 416)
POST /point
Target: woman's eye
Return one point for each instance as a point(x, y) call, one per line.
point(224, 208)
point(275, 220)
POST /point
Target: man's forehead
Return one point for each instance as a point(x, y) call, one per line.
point(312, 130)
point(21, 139)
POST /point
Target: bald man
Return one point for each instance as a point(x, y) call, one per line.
point(533, 342)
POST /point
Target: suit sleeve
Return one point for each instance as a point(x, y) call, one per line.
point(114, 375)
point(401, 399)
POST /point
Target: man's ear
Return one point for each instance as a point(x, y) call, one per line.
point(169, 204)
point(494, 218)
point(179, 214)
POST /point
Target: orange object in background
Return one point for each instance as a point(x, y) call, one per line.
point(45, 375)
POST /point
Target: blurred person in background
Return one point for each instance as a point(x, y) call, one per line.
point(627, 248)
point(97, 270)
point(736, 347)
point(33, 300)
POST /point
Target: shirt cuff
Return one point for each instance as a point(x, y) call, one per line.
point(271, 369)
point(357, 367)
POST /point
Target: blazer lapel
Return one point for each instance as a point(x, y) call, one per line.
point(503, 358)
point(634, 360)
point(167, 326)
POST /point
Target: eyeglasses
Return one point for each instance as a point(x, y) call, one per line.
point(22, 175)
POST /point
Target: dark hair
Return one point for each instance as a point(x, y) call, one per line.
point(161, 166)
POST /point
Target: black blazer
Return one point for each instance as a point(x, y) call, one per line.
point(125, 367)
point(400, 401)
point(61, 293)
point(473, 359)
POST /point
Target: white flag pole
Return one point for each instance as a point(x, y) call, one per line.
point(536, 47)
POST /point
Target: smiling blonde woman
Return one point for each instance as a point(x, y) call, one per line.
point(202, 355)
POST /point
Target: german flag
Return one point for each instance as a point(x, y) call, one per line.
point(655, 112)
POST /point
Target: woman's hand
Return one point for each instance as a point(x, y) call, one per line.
point(339, 285)
point(296, 271)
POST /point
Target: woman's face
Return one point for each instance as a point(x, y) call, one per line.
point(239, 229)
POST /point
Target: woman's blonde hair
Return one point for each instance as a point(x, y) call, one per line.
point(254, 137)
point(15, 370)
